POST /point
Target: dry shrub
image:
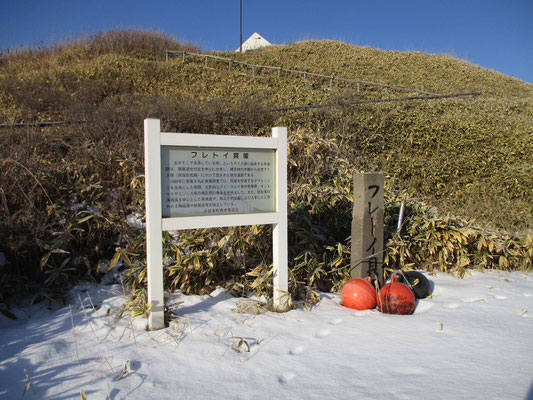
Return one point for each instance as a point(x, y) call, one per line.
point(65, 191)
point(131, 42)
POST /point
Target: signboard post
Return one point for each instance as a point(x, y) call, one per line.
point(211, 181)
point(367, 226)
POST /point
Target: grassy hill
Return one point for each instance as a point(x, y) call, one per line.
point(65, 190)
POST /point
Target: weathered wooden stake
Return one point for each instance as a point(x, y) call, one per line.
point(367, 226)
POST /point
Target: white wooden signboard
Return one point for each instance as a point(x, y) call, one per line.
point(211, 181)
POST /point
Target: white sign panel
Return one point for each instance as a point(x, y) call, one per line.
point(214, 181)
point(233, 181)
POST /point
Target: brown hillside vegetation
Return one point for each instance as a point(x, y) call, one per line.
point(66, 190)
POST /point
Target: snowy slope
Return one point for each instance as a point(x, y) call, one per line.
point(472, 340)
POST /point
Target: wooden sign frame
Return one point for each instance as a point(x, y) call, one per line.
point(154, 140)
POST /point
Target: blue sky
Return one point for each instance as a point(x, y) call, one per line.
point(496, 34)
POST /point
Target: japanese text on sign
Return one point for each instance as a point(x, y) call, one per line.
point(213, 181)
point(372, 261)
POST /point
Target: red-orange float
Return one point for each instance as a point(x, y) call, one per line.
point(396, 298)
point(358, 294)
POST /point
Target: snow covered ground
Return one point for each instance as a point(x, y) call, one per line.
point(472, 340)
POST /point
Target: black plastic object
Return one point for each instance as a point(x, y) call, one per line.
point(418, 283)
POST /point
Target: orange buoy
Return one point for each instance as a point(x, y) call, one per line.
point(358, 294)
point(396, 298)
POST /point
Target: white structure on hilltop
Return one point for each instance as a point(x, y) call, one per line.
point(256, 41)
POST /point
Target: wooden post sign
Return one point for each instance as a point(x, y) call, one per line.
point(212, 181)
point(367, 226)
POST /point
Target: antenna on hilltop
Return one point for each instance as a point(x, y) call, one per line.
point(240, 47)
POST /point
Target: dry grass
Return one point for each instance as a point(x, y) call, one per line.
point(65, 191)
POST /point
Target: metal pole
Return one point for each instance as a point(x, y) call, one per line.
point(241, 29)
point(400, 218)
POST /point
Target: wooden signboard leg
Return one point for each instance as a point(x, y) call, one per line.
point(279, 230)
point(154, 240)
